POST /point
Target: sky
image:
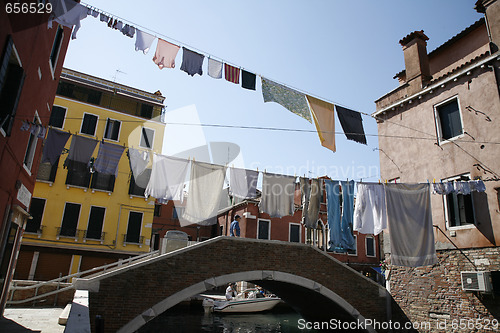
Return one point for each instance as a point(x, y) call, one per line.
point(345, 52)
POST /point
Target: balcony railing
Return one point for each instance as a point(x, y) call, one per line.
point(74, 233)
point(134, 240)
point(86, 237)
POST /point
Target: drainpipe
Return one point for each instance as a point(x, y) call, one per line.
point(118, 227)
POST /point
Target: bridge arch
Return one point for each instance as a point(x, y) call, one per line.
point(302, 275)
point(257, 277)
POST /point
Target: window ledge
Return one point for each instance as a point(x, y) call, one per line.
point(450, 140)
point(463, 227)
point(138, 196)
point(129, 243)
point(85, 189)
point(104, 191)
point(45, 181)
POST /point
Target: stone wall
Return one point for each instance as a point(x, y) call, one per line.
point(433, 294)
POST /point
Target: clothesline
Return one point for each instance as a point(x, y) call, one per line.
point(288, 130)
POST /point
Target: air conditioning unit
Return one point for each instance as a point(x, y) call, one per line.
point(476, 281)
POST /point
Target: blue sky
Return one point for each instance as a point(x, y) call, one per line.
point(343, 51)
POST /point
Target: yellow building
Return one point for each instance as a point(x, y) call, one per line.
point(83, 219)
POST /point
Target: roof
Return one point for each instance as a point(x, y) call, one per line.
point(461, 66)
point(412, 35)
point(450, 41)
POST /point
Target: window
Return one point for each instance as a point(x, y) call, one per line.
point(178, 212)
point(70, 220)
point(448, 119)
point(459, 208)
point(294, 232)
point(112, 131)
point(134, 228)
point(355, 251)
point(263, 231)
point(82, 94)
point(78, 174)
point(138, 187)
point(47, 172)
point(157, 211)
point(36, 210)
point(96, 220)
point(11, 84)
point(370, 246)
point(57, 116)
point(56, 48)
point(147, 137)
point(89, 124)
point(102, 181)
point(32, 141)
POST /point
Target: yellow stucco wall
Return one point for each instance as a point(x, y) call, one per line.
point(118, 204)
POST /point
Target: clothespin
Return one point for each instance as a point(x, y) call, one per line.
point(257, 169)
point(386, 181)
point(434, 180)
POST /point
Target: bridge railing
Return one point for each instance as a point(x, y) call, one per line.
point(64, 280)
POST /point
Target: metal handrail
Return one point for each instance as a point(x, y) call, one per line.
point(119, 263)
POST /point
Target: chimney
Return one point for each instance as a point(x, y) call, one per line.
point(416, 60)
point(491, 11)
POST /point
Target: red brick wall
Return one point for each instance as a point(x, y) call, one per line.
point(422, 292)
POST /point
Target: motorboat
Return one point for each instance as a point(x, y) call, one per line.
point(249, 300)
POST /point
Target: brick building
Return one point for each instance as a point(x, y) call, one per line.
point(450, 99)
point(31, 61)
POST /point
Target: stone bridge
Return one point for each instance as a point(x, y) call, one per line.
point(318, 286)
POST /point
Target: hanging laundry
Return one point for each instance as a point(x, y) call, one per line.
point(108, 157)
point(232, 74)
point(167, 177)
point(248, 80)
point(332, 189)
point(290, 99)
point(477, 185)
point(192, 62)
point(370, 211)
point(104, 18)
point(35, 129)
point(277, 195)
point(352, 124)
point(203, 200)
point(409, 217)
point(25, 126)
point(461, 187)
point(165, 54)
point(125, 29)
point(43, 131)
point(143, 41)
point(214, 68)
point(95, 13)
point(80, 150)
point(56, 140)
point(324, 119)
point(139, 160)
point(131, 32)
point(442, 188)
point(68, 13)
point(110, 23)
point(348, 241)
point(305, 190)
point(312, 213)
point(243, 183)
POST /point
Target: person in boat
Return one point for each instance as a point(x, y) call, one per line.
point(234, 229)
point(231, 291)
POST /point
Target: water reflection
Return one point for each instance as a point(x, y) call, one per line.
point(182, 318)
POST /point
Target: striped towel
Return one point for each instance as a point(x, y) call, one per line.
point(108, 157)
point(232, 73)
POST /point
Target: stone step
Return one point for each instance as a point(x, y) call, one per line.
point(63, 318)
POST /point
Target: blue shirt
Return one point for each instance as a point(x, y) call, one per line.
point(234, 229)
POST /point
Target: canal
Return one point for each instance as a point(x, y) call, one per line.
point(192, 318)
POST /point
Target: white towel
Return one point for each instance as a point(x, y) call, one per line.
point(409, 217)
point(277, 195)
point(243, 183)
point(205, 189)
point(68, 13)
point(139, 160)
point(370, 211)
point(214, 68)
point(167, 177)
point(143, 41)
